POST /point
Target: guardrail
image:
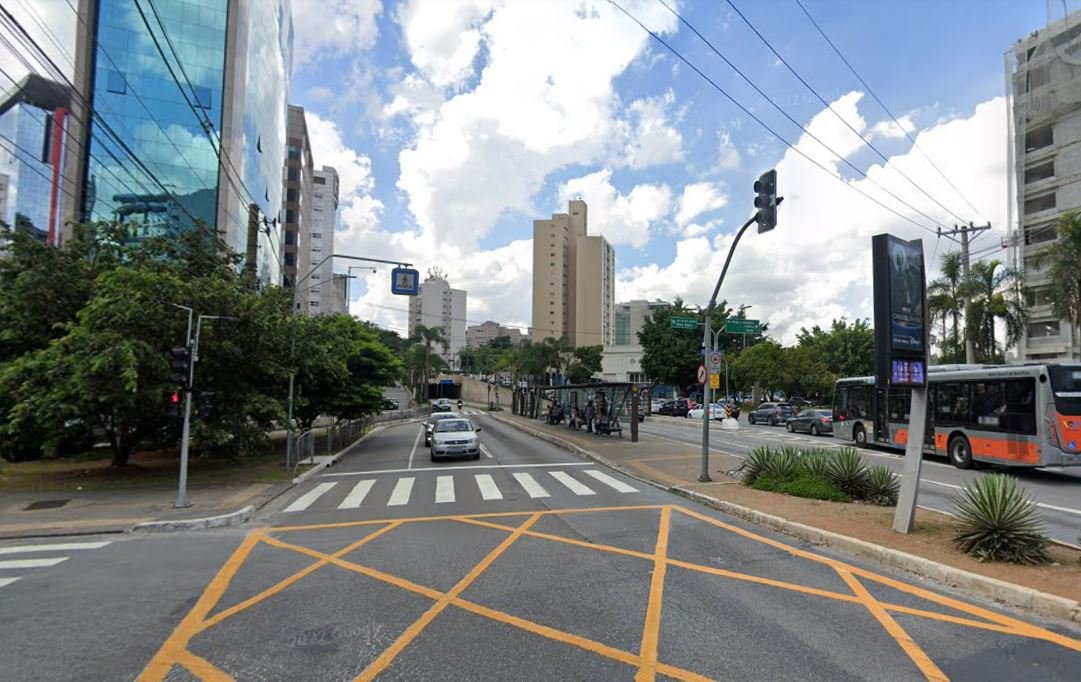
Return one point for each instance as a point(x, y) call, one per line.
point(326, 440)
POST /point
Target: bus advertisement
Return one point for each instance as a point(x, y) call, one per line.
point(1012, 415)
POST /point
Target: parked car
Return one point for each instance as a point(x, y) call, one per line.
point(391, 404)
point(434, 419)
point(455, 437)
point(656, 405)
point(715, 412)
point(800, 402)
point(675, 408)
point(813, 422)
point(773, 414)
point(442, 405)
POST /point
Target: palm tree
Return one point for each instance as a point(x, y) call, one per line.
point(994, 292)
point(944, 299)
point(429, 336)
point(1065, 270)
point(555, 353)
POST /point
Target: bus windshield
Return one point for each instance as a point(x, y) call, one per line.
point(1066, 384)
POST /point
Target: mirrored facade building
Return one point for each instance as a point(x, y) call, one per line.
point(190, 119)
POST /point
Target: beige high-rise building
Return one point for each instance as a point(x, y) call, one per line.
point(573, 280)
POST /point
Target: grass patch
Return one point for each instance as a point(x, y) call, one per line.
point(803, 485)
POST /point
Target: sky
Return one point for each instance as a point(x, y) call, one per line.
point(455, 123)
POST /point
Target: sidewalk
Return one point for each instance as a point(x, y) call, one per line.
point(864, 530)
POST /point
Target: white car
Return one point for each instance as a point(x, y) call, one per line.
point(716, 411)
point(455, 438)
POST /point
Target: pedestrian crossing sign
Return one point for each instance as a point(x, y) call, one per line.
point(404, 282)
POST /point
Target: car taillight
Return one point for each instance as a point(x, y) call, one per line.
point(825, 420)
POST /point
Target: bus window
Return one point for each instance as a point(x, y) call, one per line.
point(899, 405)
point(988, 403)
point(1020, 414)
point(851, 402)
point(1066, 383)
point(951, 403)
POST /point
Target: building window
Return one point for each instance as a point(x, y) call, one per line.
point(292, 174)
point(291, 195)
point(1041, 203)
point(1034, 297)
point(317, 235)
point(1043, 330)
point(317, 249)
point(293, 153)
point(204, 98)
point(259, 143)
point(115, 83)
point(319, 180)
point(290, 238)
point(290, 215)
point(1040, 172)
point(317, 276)
point(290, 259)
point(1038, 138)
point(314, 304)
point(1040, 234)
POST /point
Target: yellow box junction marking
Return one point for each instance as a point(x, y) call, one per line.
point(175, 649)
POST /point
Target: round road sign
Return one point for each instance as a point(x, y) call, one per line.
point(715, 360)
point(701, 374)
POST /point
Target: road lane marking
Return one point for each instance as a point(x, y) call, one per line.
point(31, 563)
point(57, 547)
point(652, 628)
point(456, 468)
point(954, 486)
point(357, 494)
point(488, 488)
point(573, 485)
point(486, 452)
point(444, 489)
point(7, 581)
point(610, 481)
point(416, 442)
point(306, 500)
point(531, 486)
point(402, 490)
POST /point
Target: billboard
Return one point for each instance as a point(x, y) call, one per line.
point(900, 293)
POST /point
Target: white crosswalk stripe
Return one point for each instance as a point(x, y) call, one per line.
point(306, 500)
point(531, 486)
point(39, 561)
point(572, 484)
point(488, 489)
point(455, 486)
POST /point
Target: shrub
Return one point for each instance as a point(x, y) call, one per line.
point(782, 465)
point(803, 485)
point(814, 463)
point(882, 486)
point(848, 472)
point(1000, 522)
point(755, 463)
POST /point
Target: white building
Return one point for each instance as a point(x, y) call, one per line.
point(1043, 71)
point(437, 305)
point(319, 242)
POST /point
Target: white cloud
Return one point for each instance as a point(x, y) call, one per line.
point(57, 39)
point(444, 38)
point(817, 264)
point(728, 158)
point(333, 27)
point(890, 130)
point(652, 141)
point(620, 218)
point(544, 100)
point(357, 208)
point(699, 198)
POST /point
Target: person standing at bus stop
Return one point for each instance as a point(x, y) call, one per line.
point(590, 412)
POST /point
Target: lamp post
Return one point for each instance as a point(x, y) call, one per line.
point(349, 274)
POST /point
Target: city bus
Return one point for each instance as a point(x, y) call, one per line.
point(1013, 415)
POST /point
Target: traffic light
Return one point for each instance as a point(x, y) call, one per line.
point(206, 404)
point(172, 404)
point(181, 366)
point(766, 202)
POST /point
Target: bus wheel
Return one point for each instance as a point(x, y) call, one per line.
point(960, 452)
point(860, 436)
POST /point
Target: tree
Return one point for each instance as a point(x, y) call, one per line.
point(994, 293)
point(429, 336)
point(672, 356)
point(944, 302)
point(762, 364)
point(847, 349)
point(585, 363)
point(1064, 270)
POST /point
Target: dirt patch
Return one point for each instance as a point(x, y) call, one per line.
point(932, 538)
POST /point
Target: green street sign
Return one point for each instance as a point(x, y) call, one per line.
point(684, 323)
point(741, 326)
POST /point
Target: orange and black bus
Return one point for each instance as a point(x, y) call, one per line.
point(1014, 415)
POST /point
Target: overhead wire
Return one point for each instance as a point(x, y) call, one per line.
point(887, 110)
point(779, 108)
point(15, 147)
point(842, 119)
point(762, 123)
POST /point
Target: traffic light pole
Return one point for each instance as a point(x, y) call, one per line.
point(706, 331)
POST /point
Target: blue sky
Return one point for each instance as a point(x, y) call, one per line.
point(455, 123)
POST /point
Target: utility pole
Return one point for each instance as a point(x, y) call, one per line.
point(964, 231)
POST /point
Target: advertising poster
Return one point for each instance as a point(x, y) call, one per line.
point(906, 295)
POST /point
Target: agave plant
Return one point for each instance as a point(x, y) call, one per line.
point(783, 465)
point(755, 463)
point(1000, 522)
point(814, 463)
point(882, 486)
point(848, 472)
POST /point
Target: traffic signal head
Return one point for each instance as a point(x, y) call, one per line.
point(766, 200)
point(181, 366)
point(172, 404)
point(206, 404)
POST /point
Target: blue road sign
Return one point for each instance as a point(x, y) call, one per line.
point(404, 282)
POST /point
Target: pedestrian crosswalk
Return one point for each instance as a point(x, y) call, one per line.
point(451, 487)
point(28, 557)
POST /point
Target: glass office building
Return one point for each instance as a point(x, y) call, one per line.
point(25, 172)
point(196, 91)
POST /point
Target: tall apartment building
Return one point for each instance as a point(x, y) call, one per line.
point(573, 280)
point(319, 243)
point(1044, 80)
point(233, 64)
point(630, 317)
point(437, 305)
point(297, 208)
point(486, 332)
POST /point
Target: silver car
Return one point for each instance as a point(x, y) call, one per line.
point(455, 438)
point(434, 419)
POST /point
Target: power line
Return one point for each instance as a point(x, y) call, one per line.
point(474, 322)
point(48, 33)
point(16, 147)
point(778, 108)
point(886, 109)
point(839, 117)
point(760, 122)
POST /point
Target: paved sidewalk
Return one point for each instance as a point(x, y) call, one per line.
point(115, 511)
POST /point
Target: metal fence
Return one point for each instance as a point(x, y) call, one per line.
point(327, 440)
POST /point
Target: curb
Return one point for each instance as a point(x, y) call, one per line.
point(1017, 596)
point(341, 453)
point(231, 519)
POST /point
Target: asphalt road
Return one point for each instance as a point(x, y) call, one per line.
point(525, 565)
point(1056, 490)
